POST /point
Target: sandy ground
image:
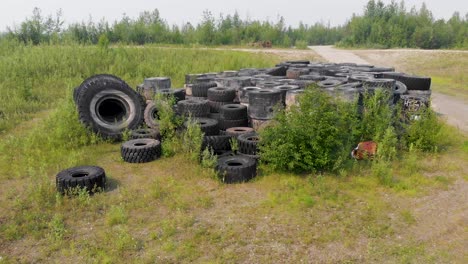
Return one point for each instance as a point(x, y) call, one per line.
point(453, 109)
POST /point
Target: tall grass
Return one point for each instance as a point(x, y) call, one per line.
point(34, 78)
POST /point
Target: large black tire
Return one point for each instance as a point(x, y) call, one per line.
point(268, 84)
point(86, 82)
point(157, 83)
point(233, 112)
point(328, 83)
point(221, 94)
point(248, 143)
point(76, 92)
point(244, 93)
point(215, 107)
point(141, 150)
point(411, 82)
point(236, 169)
point(195, 108)
point(284, 89)
point(237, 131)
point(207, 125)
point(262, 103)
point(400, 89)
point(178, 94)
point(151, 115)
point(201, 89)
point(91, 178)
point(311, 77)
point(216, 143)
point(109, 106)
point(145, 133)
point(277, 71)
point(225, 124)
point(417, 83)
point(387, 84)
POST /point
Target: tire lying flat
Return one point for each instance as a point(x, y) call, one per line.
point(236, 169)
point(141, 150)
point(91, 178)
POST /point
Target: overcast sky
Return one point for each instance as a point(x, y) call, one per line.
point(177, 11)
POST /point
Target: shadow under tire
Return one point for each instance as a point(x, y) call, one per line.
point(141, 150)
point(108, 106)
point(236, 169)
point(91, 178)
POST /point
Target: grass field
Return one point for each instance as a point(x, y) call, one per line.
point(174, 211)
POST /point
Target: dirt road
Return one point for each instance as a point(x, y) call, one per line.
point(455, 110)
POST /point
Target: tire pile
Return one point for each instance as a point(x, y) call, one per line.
point(229, 106)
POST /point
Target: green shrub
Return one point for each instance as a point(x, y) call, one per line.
point(376, 117)
point(301, 44)
point(317, 135)
point(192, 139)
point(168, 123)
point(208, 159)
point(427, 132)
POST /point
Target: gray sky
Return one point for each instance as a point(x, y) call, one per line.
point(177, 11)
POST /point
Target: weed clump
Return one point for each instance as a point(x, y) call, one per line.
point(318, 134)
point(314, 136)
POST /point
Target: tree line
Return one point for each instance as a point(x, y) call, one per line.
point(381, 25)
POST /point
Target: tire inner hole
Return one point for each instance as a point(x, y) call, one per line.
point(140, 144)
point(112, 110)
point(234, 164)
point(252, 138)
point(80, 174)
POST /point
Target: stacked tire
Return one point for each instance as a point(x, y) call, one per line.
point(233, 115)
point(262, 106)
point(219, 96)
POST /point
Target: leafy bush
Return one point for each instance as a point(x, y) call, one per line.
point(192, 139)
point(208, 158)
point(314, 136)
point(427, 132)
point(168, 123)
point(301, 44)
point(376, 117)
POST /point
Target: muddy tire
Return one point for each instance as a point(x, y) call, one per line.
point(233, 112)
point(201, 89)
point(226, 124)
point(237, 131)
point(262, 103)
point(193, 107)
point(236, 169)
point(248, 143)
point(151, 115)
point(141, 150)
point(221, 94)
point(109, 106)
point(215, 107)
point(207, 125)
point(217, 143)
point(157, 83)
point(91, 178)
point(178, 94)
point(145, 133)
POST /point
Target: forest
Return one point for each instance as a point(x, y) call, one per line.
point(379, 26)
